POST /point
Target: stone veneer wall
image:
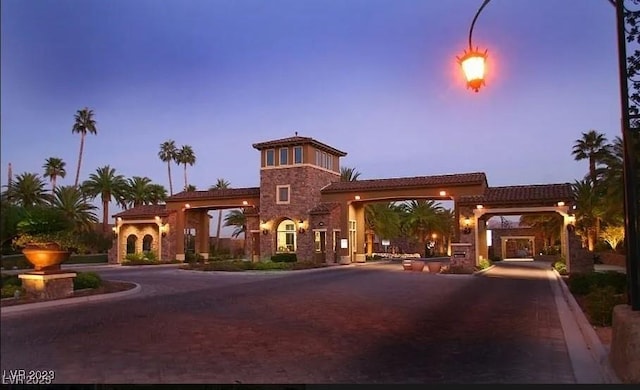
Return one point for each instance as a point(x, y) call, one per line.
point(580, 259)
point(306, 182)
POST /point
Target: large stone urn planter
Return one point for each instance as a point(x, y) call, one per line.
point(407, 264)
point(45, 256)
point(434, 266)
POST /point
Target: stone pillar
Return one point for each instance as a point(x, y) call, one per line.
point(359, 249)
point(344, 257)
point(202, 233)
point(43, 285)
point(625, 344)
point(179, 234)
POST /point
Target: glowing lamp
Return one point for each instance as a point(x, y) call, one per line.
point(473, 65)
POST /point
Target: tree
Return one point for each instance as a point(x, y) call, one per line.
point(190, 188)
point(70, 200)
point(167, 154)
point(589, 209)
point(548, 225)
point(422, 219)
point(221, 184)
point(54, 168)
point(613, 235)
point(382, 219)
point(593, 147)
point(238, 219)
point(138, 191)
point(27, 190)
point(84, 123)
point(348, 174)
point(185, 156)
point(108, 185)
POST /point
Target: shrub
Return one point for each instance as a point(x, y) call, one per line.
point(484, 263)
point(11, 280)
point(149, 255)
point(9, 291)
point(15, 262)
point(599, 304)
point(560, 267)
point(86, 280)
point(584, 283)
point(284, 258)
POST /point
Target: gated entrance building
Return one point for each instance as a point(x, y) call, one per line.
point(302, 207)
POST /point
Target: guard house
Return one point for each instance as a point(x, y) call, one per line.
point(302, 207)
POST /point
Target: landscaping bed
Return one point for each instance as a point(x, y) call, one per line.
point(242, 265)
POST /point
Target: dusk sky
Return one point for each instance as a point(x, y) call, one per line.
point(377, 79)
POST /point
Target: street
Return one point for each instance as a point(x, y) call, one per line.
point(352, 324)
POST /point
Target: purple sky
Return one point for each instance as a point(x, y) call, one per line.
point(377, 79)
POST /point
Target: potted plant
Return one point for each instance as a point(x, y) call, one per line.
point(47, 238)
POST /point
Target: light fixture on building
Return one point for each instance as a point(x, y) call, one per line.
point(443, 193)
point(187, 206)
point(164, 229)
point(479, 206)
point(560, 204)
point(301, 227)
point(467, 226)
point(114, 230)
point(357, 197)
point(571, 223)
point(244, 203)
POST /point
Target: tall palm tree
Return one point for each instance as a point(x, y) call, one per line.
point(185, 156)
point(349, 174)
point(106, 183)
point(191, 188)
point(27, 190)
point(84, 123)
point(220, 185)
point(167, 154)
point(72, 202)
point(54, 168)
point(593, 147)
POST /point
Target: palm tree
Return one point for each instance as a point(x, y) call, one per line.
point(593, 147)
point(184, 156)
point(589, 209)
point(167, 154)
point(220, 185)
point(382, 219)
point(53, 169)
point(71, 201)
point(238, 219)
point(106, 183)
point(84, 123)
point(157, 193)
point(190, 188)
point(422, 219)
point(138, 191)
point(348, 174)
point(547, 225)
point(27, 190)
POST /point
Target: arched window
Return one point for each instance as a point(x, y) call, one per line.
point(131, 243)
point(286, 236)
point(146, 243)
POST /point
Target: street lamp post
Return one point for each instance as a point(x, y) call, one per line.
point(630, 127)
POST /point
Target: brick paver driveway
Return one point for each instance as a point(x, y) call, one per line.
point(362, 324)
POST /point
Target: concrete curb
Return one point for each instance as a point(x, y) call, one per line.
point(70, 301)
point(596, 350)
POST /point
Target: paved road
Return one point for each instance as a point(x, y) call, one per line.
point(362, 324)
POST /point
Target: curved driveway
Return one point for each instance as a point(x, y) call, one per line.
point(351, 324)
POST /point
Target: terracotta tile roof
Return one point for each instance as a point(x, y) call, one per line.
point(324, 208)
point(216, 193)
point(144, 212)
point(477, 178)
point(297, 140)
point(525, 194)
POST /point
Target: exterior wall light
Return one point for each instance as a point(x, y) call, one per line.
point(467, 226)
